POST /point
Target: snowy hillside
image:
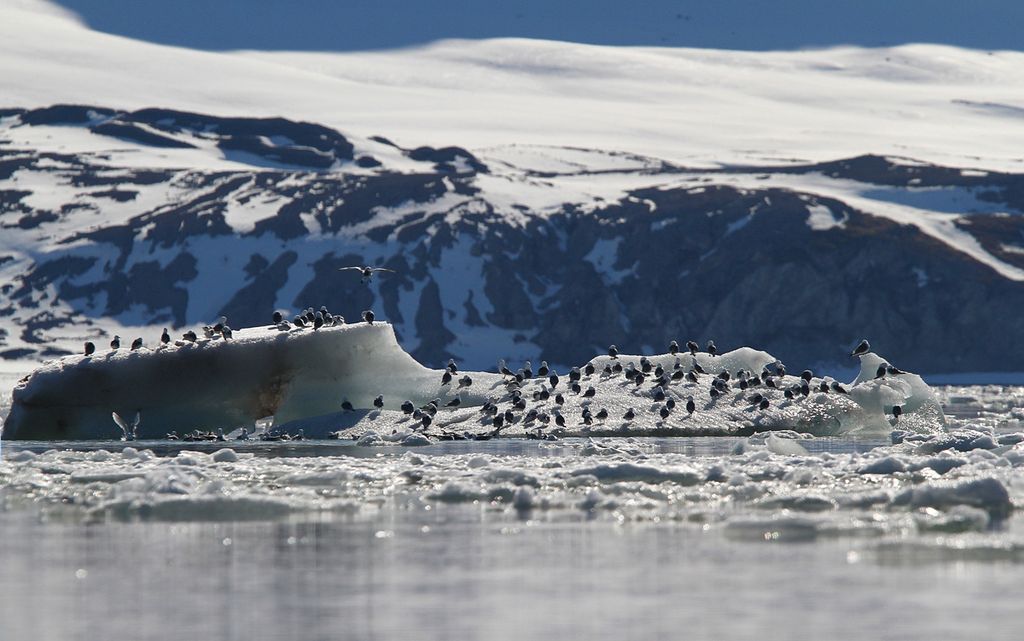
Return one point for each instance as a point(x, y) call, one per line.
point(536, 198)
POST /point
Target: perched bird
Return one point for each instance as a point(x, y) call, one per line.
point(503, 368)
point(559, 420)
point(710, 348)
point(116, 343)
point(542, 371)
point(613, 351)
point(629, 415)
point(673, 348)
point(837, 388)
point(90, 348)
point(693, 347)
point(298, 321)
point(862, 348)
point(347, 406)
point(559, 399)
point(318, 320)
point(588, 369)
point(553, 379)
point(379, 401)
point(455, 402)
point(465, 381)
point(408, 407)
point(368, 316)
point(590, 392)
point(602, 414)
point(880, 372)
point(366, 273)
point(136, 344)
point(763, 405)
point(807, 375)
point(190, 336)
point(225, 332)
point(446, 378)
point(897, 411)
point(670, 403)
point(278, 317)
point(893, 371)
point(690, 405)
point(664, 412)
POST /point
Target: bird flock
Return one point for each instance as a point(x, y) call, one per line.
point(534, 400)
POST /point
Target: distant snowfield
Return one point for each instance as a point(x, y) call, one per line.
point(699, 107)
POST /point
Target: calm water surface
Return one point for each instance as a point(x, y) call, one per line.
point(467, 571)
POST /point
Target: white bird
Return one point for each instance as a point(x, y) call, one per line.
point(128, 432)
point(366, 272)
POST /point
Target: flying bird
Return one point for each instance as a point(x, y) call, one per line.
point(366, 272)
point(128, 432)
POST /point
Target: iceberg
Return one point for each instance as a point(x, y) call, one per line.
point(301, 377)
point(209, 384)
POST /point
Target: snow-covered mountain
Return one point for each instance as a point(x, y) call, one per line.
point(536, 198)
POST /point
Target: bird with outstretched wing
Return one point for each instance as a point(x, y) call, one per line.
point(366, 272)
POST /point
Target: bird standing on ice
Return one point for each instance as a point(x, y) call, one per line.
point(366, 272)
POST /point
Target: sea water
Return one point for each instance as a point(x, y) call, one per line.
point(614, 538)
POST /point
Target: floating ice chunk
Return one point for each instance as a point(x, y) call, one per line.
point(785, 446)
point(112, 475)
point(784, 528)
point(226, 455)
point(369, 439)
point(621, 472)
point(878, 395)
point(523, 499)
point(988, 494)
point(415, 440)
point(454, 492)
point(885, 465)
